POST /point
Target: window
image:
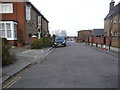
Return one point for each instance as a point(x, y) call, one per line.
point(6, 8)
point(39, 20)
point(15, 31)
point(117, 34)
point(2, 30)
point(8, 30)
point(28, 13)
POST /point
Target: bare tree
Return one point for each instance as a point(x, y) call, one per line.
point(63, 33)
point(60, 32)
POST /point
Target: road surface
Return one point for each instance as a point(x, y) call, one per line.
point(74, 66)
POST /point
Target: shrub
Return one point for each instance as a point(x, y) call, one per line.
point(4, 41)
point(41, 43)
point(6, 57)
point(47, 42)
point(37, 44)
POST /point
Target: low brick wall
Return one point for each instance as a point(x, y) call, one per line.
point(113, 41)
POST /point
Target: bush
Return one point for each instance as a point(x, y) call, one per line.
point(37, 44)
point(41, 43)
point(4, 41)
point(6, 57)
point(47, 42)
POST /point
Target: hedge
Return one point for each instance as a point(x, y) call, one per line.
point(6, 57)
point(41, 43)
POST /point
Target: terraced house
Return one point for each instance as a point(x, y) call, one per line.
point(112, 25)
point(21, 16)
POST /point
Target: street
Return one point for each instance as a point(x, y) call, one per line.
point(74, 66)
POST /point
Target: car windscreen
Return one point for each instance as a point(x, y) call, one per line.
point(59, 38)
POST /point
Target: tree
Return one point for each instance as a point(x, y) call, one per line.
point(60, 32)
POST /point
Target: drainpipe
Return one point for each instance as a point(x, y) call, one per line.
point(110, 31)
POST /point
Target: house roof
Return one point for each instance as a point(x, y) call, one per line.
point(113, 12)
point(98, 32)
point(36, 9)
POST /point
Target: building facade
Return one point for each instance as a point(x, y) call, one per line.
point(83, 35)
point(24, 16)
point(112, 25)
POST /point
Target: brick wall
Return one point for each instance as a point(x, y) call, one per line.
point(31, 26)
point(115, 25)
point(44, 26)
point(115, 42)
point(17, 15)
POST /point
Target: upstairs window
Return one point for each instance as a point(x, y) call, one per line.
point(28, 12)
point(39, 20)
point(6, 8)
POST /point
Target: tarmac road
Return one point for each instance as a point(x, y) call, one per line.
point(74, 66)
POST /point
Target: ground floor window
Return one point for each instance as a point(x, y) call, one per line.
point(8, 30)
point(117, 34)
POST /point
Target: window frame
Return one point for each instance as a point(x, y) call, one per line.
point(116, 34)
point(28, 12)
point(2, 6)
point(39, 20)
point(12, 28)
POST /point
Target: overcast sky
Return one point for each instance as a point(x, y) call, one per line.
point(74, 15)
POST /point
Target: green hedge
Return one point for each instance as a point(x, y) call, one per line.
point(6, 57)
point(37, 44)
point(47, 42)
point(41, 43)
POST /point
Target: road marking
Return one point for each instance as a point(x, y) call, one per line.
point(12, 82)
point(44, 55)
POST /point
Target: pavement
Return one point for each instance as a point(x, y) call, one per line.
point(113, 49)
point(24, 57)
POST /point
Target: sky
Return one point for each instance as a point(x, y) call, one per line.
point(74, 15)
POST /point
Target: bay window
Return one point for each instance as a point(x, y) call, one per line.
point(8, 30)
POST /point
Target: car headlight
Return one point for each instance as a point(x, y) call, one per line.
point(63, 42)
point(55, 43)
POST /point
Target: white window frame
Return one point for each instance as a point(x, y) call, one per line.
point(39, 20)
point(28, 12)
point(12, 23)
point(117, 34)
point(8, 6)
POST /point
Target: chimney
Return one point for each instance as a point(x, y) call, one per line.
point(111, 5)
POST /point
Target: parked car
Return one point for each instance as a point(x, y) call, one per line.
point(59, 41)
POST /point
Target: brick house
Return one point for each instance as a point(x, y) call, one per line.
point(22, 16)
point(97, 37)
point(112, 25)
point(83, 35)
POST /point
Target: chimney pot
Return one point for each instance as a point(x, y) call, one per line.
point(112, 5)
